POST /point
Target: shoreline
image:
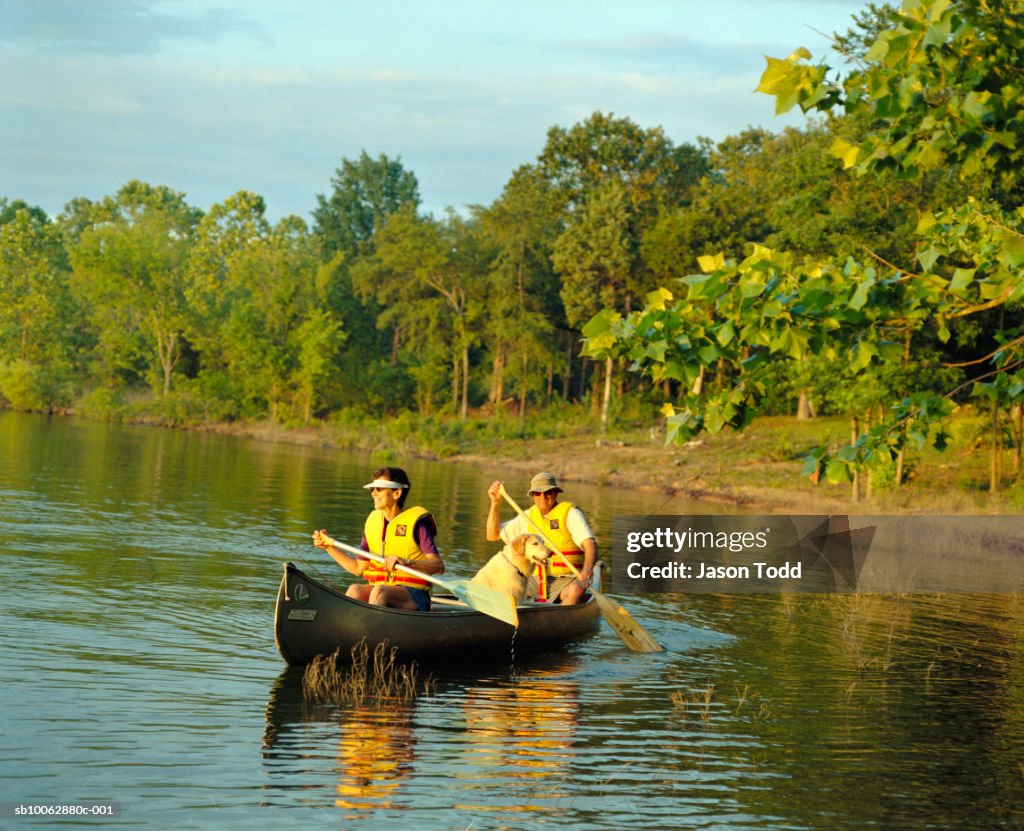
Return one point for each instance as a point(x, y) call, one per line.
point(596, 460)
point(759, 470)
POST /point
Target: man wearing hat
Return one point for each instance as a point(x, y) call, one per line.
point(402, 536)
point(564, 525)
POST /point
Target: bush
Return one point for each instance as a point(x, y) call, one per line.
point(32, 387)
point(178, 408)
point(218, 394)
point(103, 404)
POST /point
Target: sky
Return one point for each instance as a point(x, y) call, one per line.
point(269, 96)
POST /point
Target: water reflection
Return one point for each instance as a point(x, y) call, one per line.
point(518, 743)
point(140, 666)
point(374, 749)
point(286, 709)
point(506, 742)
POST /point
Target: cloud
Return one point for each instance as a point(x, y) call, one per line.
point(178, 95)
point(661, 53)
point(114, 27)
point(649, 49)
point(83, 127)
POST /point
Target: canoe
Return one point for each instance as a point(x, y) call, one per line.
point(315, 619)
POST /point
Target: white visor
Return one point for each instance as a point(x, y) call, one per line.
point(385, 483)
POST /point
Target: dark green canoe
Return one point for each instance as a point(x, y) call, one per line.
point(315, 619)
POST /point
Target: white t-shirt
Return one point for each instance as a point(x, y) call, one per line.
point(575, 524)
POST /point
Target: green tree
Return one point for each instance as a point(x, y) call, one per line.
point(266, 340)
point(603, 148)
point(524, 309)
point(747, 316)
point(418, 274)
point(726, 210)
point(594, 257)
point(229, 243)
point(943, 83)
point(131, 267)
point(39, 321)
point(612, 174)
point(463, 286)
point(9, 210)
point(809, 205)
point(365, 191)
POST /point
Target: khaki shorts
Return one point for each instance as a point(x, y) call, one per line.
point(555, 586)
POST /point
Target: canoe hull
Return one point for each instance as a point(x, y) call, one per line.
point(314, 619)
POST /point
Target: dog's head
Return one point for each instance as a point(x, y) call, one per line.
point(531, 548)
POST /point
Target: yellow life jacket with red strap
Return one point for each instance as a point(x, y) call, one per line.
point(554, 527)
point(394, 538)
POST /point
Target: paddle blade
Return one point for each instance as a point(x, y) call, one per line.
point(631, 632)
point(484, 599)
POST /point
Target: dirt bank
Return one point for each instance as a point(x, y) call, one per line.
point(760, 469)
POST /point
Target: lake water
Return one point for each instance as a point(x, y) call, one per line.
point(139, 668)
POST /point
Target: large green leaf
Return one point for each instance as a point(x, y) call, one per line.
point(862, 354)
point(726, 333)
point(844, 151)
point(1012, 243)
point(600, 332)
point(860, 296)
point(928, 257)
point(962, 278)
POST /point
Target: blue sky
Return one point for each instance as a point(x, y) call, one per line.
point(211, 98)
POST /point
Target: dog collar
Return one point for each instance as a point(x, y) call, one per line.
point(523, 574)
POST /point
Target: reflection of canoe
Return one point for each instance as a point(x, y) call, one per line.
point(315, 619)
point(286, 709)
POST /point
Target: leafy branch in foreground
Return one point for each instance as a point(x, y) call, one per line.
point(736, 321)
point(944, 80)
point(942, 83)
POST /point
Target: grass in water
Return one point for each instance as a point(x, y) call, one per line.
point(697, 701)
point(337, 679)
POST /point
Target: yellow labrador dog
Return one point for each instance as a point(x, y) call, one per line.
point(510, 568)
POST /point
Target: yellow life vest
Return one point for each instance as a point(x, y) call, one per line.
point(397, 539)
point(554, 527)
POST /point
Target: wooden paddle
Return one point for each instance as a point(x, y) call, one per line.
point(484, 599)
point(631, 632)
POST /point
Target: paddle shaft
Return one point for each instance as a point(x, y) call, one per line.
point(491, 602)
point(358, 552)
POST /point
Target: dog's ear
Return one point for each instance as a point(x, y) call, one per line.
point(519, 544)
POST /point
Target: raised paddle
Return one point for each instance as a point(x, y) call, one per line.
point(484, 599)
point(631, 632)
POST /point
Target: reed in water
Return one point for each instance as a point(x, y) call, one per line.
point(340, 680)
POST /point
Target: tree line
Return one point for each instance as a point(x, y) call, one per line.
point(719, 279)
point(374, 305)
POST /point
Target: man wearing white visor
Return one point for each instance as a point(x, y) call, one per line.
point(402, 536)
